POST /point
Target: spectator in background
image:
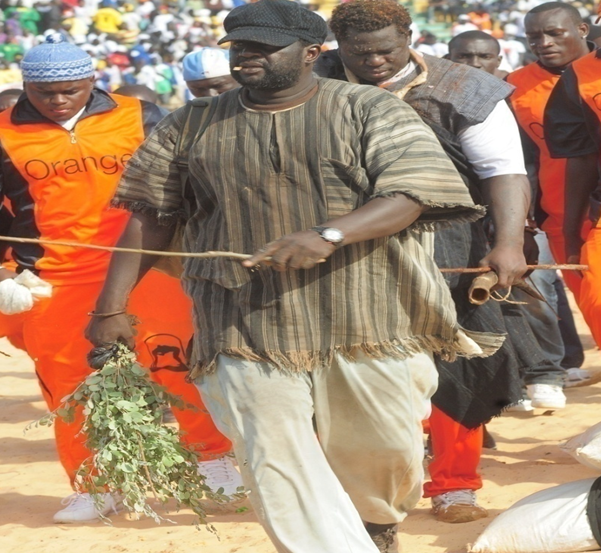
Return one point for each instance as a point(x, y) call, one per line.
point(51, 14)
point(8, 98)
point(12, 24)
point(11, 49)
point(27, 16)
point(132, 19)
point(9, 75)
point(481, 18)
point(429, 44)
point(76, 27)
point(512, 50)
point(477, 49)
point(207, 72)
point(107, 19)
point(463, 25)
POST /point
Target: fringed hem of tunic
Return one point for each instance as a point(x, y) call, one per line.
point(308, 361)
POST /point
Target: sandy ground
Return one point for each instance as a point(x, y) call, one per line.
point(32, 483)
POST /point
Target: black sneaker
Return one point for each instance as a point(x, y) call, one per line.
point(383, 535)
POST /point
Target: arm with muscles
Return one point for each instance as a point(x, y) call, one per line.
point(494, 149)
point(151, 179)
point(378, 218)
point(508, 198)
point(125, 271)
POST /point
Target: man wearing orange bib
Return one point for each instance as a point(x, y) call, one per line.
point(573, 120)
point(63, 148)
point(557, 37)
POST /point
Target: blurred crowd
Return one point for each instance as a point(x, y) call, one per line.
point(503, 19)
point(143, 42)
point(132, 43)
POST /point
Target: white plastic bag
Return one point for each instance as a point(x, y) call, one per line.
point(586, 447)
point(18, 294)
point(39, 288)
point(550, 521)
point(14, 298)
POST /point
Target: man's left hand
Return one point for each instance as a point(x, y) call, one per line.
point(508, 262)
point(299, 250)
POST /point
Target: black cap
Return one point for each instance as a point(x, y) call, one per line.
point(274, 22)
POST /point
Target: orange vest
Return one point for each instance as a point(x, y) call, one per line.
point(534, 85)
point(588, 74)
point(72, 177)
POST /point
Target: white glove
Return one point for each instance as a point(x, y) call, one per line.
point(18, 294)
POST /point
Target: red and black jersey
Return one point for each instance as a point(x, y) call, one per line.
point(572, 116)
point(534, 85)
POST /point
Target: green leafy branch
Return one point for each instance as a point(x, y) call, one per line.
point(134, 453)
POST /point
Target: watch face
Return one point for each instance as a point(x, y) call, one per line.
point(333, 235)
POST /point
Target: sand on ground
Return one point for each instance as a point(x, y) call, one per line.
point(32, 482)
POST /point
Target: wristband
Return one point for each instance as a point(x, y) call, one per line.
point(106, 315)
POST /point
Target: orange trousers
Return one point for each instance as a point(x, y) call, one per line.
point(52, 333)
point(456, 456)
point(572, 279)
point(589, 300)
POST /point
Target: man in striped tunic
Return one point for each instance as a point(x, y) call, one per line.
point(336, 188)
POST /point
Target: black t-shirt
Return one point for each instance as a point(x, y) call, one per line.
point(571, 127)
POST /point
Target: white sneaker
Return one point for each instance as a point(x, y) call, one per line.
point(80, 507)
point(580, 377)
point(546, 396)
point(221, 475)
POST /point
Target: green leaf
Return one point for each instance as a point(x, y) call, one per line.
point(126, 467)
point(123, 428)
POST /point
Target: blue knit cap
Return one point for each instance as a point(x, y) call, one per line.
point(56, 60)
point(206, 63)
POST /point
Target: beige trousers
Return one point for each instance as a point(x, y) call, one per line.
point(312, 495)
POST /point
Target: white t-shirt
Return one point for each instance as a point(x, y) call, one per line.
point(69, 125)
point(493, 147)
point(512, 50)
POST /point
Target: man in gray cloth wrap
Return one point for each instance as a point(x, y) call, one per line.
point(339, 311)
point(466, 109)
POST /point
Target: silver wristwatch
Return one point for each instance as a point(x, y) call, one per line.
point(330, 234)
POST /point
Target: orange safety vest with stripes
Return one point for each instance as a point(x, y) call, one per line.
point(534, 85)
point(71, 177)
point(588, 73)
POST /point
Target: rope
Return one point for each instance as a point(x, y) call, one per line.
point(121, 250)
point(496, 296)
point(242, 256)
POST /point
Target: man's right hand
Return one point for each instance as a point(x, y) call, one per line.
point(109, 330)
